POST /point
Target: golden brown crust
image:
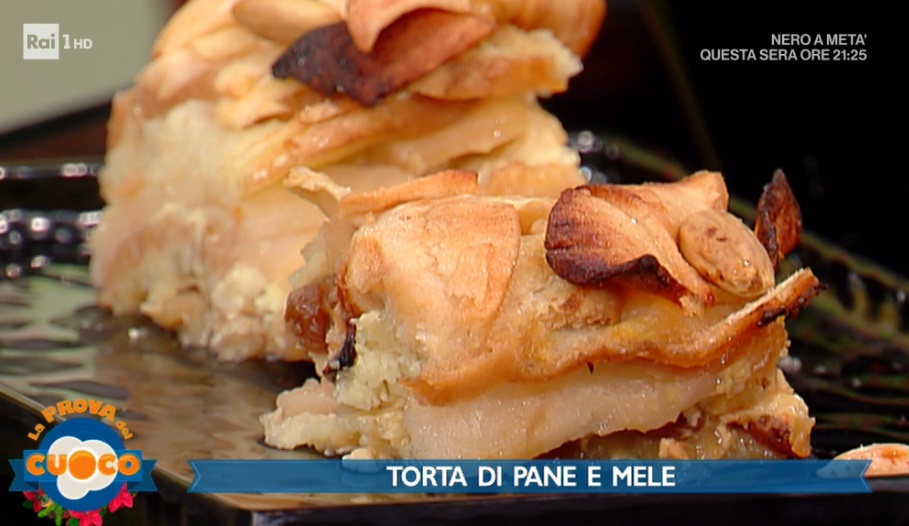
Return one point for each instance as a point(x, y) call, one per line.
point(779, 219)
point(334, 140)
point(467, 246)
point(574, 22)
point(367, 20)
point(510, 60)
point(589, 242)
point(327, 59)
point(284, 20)
point(194, 19)
point(531, 326)
point(545, 180)
point(669, 340)
point(628, 234)
point(441, 184)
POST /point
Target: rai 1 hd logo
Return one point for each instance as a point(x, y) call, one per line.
point(81, 470)
point(44, 42)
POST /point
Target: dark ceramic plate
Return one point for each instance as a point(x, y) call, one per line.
point(849, 360)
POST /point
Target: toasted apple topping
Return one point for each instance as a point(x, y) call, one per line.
point(414, 45)
point(779, 219)
point(628, 235)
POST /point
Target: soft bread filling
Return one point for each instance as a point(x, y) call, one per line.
point(370, 413)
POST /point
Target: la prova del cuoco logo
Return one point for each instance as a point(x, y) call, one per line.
point(81, 465)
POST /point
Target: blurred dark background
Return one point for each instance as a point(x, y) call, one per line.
point(836, 128)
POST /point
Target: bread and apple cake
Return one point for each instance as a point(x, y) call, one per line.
point(462, 291)
point(635, 321)
point(200, 233)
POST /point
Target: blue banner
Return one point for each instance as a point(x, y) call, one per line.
point(537, 476)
